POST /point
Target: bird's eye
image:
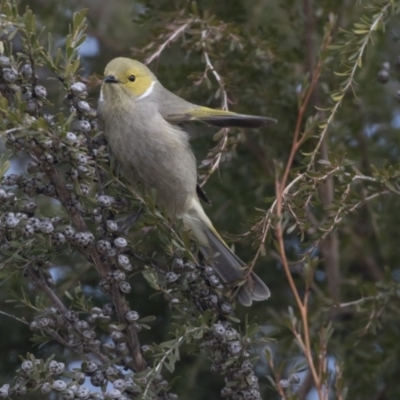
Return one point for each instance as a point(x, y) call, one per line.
point(132, 78)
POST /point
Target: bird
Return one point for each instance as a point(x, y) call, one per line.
point(143, 123)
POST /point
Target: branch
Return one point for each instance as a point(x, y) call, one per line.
point(338, 99)
point(175, 34)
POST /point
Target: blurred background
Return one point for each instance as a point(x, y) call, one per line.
point(265, 52)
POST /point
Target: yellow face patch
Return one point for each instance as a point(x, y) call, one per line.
point(134, 77)
point(137, 83)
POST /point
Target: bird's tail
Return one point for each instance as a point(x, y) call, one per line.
point(229, 267)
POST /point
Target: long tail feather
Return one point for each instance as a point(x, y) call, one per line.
point(230, 269)
point(227, 265)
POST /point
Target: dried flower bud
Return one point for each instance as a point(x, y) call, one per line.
point(219, 330)
point(11, 221)
point(27, 366)
point(123, 262)
point(103, 246)
point(71, 175)
point(119, 384)
point(56, 368)
point(12, 179)
point(117, 336)
point(78, 88)
point(91, 367)
point(122, 349)
point(131, 316)
point(9, 74)
point(19, 390)
point(4, 61)
point(84, 126)
point(120, 242)
point(124, 287)
point(108, 347)
point(105, 201)
point(40, 92)
point(79, 377)
point(69, 232)
point(26, 71)
point(68, 395)
point(27, 231)
point(191, 276)
point(46, 160)
point(234, 347)
point(46, 388)
point(80, 158)
point(109, 309)
point(104, 286)
point(111, 225)
point(46, 226)
point(97, 215)
point(115, 276)
point(113, 394)
point(247, 367)
point(72, 316)
point(226, 308)
point(44, 323)
point(214, 281)
point(171, 277)
point(208, 271)
point(85, 189)
point(59, 385)
point(5, 388)
point(231, 333)
point(97, 379)
point(82, 239)
point(82, 393)
point(383, 76)
point(83, 106)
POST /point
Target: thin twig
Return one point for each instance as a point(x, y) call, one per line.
point(171, 38)
point(14, 317)
point(349, 81)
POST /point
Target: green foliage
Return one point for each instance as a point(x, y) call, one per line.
point(313, 201)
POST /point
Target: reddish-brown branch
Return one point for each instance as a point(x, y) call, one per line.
point(280, 186)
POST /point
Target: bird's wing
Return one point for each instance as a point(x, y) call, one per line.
point(202, 194)
point(220, 118)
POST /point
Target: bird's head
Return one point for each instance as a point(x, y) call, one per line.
point(123, 76)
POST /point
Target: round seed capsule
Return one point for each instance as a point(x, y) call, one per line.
point(120, 242)
point(4, 61)
point(59, 385)
point(171, 277)
point(123, 262)
point(9, 75)
point(40, 91)
point(78, 88)
point(124, 287)
point(84, 126)
point(26, 71)
point(131, 316)
point(83, 106)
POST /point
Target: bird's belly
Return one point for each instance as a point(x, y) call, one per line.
point(160, 161)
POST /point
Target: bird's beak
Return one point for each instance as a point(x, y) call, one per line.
point(110, 79)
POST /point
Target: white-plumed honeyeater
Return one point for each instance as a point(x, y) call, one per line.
point(142, 123)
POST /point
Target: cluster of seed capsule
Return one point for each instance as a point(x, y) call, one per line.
point(200, 283)
point(14, 80)
point(226, 347)
point(232, 362)
point(385, 72)
point(49, 377)
point(47, 144)
point(112, 246)
point(81, 336)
